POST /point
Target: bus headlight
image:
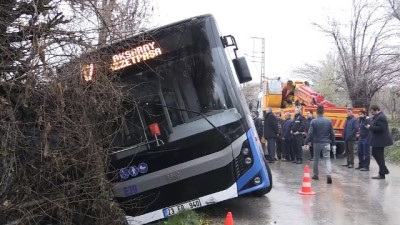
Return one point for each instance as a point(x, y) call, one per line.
point(245, 151)
point(244, 159)
point(248, 160)
point(257, 180)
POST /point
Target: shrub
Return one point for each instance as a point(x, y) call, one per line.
point(188, 217)
point(393, 153)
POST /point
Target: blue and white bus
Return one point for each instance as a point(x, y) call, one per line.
point(188, 140)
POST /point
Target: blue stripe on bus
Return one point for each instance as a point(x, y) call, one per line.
point(258, 167)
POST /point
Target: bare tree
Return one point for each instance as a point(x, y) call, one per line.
point(388, 98)
point(250, 93)
point(113, 20)
point(394, 5)
point(325, 71)
point(55, 130)
point(367, 59)
point(326, 79)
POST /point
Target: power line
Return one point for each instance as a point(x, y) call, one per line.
point(258, 56)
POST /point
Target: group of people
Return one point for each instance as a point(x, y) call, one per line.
point(372, 132)
point(285, 139)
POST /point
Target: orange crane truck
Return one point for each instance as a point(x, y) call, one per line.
point(284, 97)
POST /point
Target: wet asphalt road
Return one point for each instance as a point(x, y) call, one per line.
point(353, 198)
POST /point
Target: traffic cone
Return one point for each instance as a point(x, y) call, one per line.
point(306, 187)
point(229, 219)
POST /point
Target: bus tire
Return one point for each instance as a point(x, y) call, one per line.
point(262, 192)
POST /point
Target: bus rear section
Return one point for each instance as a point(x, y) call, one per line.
point(187, 139)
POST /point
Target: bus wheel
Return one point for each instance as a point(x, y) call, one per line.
point(266, 190)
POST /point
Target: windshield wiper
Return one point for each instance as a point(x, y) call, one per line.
point(204, 116)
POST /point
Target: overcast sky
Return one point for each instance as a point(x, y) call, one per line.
point(290, 39)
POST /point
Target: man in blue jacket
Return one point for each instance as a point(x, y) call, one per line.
point(363, 142)
point(350, 135)
point(323, 138)
point(287, 137)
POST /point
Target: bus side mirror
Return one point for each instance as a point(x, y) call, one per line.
point(242, 70)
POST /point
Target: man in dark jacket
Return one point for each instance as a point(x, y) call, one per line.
point(310, 117)
point(287, 137)
point(323, 138)
point(363, 142)
point(271, 130)
point(350, 135)
point(279, 140)
point(298, 129)
point(380, 138)
point(257, 123)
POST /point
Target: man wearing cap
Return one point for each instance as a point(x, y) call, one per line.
point(298, 129)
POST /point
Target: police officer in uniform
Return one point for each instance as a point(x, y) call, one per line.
point(298, 129)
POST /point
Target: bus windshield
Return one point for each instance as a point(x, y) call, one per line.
point(184, 78)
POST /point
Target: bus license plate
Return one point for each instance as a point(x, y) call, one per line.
point(181, 207)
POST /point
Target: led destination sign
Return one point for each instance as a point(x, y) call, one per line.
point(135, 55)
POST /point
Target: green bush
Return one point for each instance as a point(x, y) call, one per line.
point(188, 217)
point(393, 152)
point(394, 123)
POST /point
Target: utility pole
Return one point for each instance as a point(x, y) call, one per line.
point(258, 56)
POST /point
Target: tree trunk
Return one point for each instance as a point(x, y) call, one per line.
point(360, 99)
point(361, 103)
point(107, 7)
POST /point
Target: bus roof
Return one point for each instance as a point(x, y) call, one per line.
point(120, 43)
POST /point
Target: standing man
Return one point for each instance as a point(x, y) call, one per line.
point(380, 138)
point(259, 127)
point(257, 123)
point(363, 142)
point(310, 117)
point(298, 128)
point(279, 141)
point(350, 135)
point(323, 138)
point(287, 137)
point(271, 130)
